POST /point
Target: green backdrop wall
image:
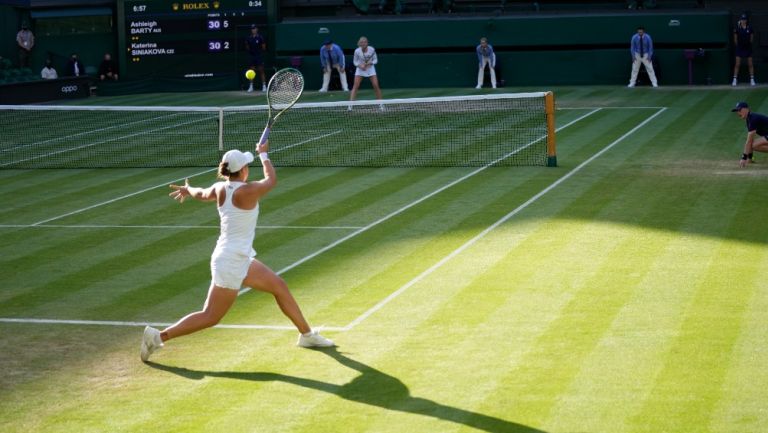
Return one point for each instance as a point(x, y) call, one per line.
point(531, 50)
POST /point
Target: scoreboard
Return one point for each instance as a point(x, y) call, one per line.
point(187, 39)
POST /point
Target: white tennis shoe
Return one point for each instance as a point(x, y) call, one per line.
point(150, 342)
point(313, 339)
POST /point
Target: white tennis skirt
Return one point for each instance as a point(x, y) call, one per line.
point(371, 71)
point(228, 270)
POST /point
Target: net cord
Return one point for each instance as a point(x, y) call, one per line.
point(266, 107)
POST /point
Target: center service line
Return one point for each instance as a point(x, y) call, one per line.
point(159, 186)
point(381, 303)
point(414, 203)
point(482, 234)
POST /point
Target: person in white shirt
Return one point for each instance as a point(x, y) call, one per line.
point(25, 39)
point(48, 72)
point(233, 262)
point(365, 59)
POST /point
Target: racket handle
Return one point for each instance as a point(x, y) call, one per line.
point(264, 135)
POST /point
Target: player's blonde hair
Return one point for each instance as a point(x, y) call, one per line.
point(362, 38)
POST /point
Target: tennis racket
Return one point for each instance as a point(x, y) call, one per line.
point(283, 90)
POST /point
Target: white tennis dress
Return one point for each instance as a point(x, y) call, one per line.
point(234, 249)
point(361, 58)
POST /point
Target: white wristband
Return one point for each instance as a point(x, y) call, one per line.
point(263, 156)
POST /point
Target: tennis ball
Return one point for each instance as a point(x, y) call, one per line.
point(250, 74)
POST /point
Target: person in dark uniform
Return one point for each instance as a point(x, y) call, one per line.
point(743, 36)
point(256, 45)
point(757, 131)
point(108, 69)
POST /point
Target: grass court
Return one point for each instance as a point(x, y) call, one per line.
point(625, 290)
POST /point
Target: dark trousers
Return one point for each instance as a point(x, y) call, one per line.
point(23, 58)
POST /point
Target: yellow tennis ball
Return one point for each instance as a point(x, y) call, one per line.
point(250, 74)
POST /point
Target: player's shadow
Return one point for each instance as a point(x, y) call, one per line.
point(371, 387)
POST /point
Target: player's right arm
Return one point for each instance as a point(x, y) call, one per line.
point(257, 189)
point(747, 148)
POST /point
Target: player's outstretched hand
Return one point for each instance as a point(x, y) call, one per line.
point(179, 192)
point(262, 147)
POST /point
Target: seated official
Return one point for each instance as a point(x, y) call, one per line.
point(48, 72)
point(108, 69)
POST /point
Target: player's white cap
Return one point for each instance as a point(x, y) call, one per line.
point(236, 160)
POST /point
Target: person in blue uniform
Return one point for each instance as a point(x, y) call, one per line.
point(641, 50)
point(757, 131)
point(485, 57)
point(332, 57)
point(256, 45)
point(743, 37)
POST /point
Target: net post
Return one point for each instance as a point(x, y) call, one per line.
point(221, 129)
point(549, 104)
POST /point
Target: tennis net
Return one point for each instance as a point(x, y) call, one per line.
point(502, 130)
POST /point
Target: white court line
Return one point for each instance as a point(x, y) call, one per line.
point(70, 149)
point(122, 125)
point(650, 107)
point(158, 324)
point(117, 198)
point(148, 189)
point(413, 203)
point(308, 140)
point(388, 298)
point(482, 234)
point(181, 227)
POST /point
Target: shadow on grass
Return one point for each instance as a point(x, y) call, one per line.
point(371, 387)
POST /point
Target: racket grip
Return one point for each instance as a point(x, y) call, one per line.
point(264, 135)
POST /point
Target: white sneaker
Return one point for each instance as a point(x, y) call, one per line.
point(381, 107)
point(150, 342)
point(313, 339)
point(263, 87)
point(494, 86)
point(250, 89)
point(752, 82)
point(478, 87)
point(734, 83)
point(323, 90)
point(630, 85)
point(655, 85)
point(349, 108)
point(346, 90)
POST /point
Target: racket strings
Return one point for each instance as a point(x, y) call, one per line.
point(285, 88)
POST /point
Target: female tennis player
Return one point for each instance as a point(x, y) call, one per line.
point(233, 264)
point(365, 59)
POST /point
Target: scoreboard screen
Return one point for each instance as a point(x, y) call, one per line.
point(187, 39)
